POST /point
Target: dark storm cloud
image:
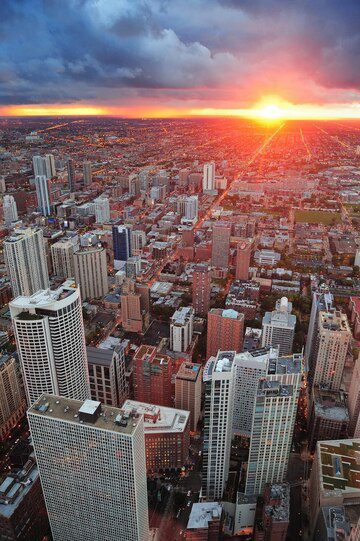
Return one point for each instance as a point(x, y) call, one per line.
point(55, 51)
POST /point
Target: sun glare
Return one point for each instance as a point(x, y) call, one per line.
point(271, 112)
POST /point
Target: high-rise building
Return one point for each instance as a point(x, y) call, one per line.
point(10, 210)
point(133, 266)
point(97, 462)
point(71, 174)
point(12, 395)
point(107, 375)
point(122, 244)
point(62, 253)
point(331, 347)
point(188, 207)
point(354, 401)
point(43, 194)
point(87, 173)
point(219, 380)
point(23, 514)
point(201, 289)
point(250, 368)
point(322, 301)
point(44, 165)
point(153, 376)
point(134, 307)
point(225, 331)
point(26, 261)
point(329, 417)
point(334, 479)
point(209, 177)
point(91, 272)
point(243, 255)
point(102, 209)
point(138, 241)
point(220, 245)
point(273, 423)
point(167, 435)
point(50, 339)
point(278, 327)
point(181, 329)
point(188, 391)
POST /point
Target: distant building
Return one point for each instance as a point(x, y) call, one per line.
point(10, 210)
point(220, 245)
point(107, 375)
point(205, 522)
point(90, 267)
point(267, 257)
point(225, 331)
point(219, 380)
point(181, 329)
point(26, 261)
point(12, 395)
point(102, 209)
point(188, 386)
point(208, 182)
point(243, 255)
point(354, 401)
point(92, 455)
point(44, 165)
point(153, 376)
point(122, 244)
point(43, 194)
point(167, 435)
point(354, 306)
point(201, 289)
point(278, 327)
point(62, 253)
point(71, 175)
point(87, 171)
point(329, 417)
point(23, 515)
point(134, 307)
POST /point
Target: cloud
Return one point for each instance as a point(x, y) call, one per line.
point(203, 51)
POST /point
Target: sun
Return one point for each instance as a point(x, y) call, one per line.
point(270, 112)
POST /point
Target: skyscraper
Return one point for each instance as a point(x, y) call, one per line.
point(122, 244)
point(87, 173)
point(62, 253)
point(26, 261)
point(225, 331)
point(322, 301)
point(107, 375)
point(12, 395)
point(50, 339)
point(134, 308)
point(243, 254)
point(219, 380)
point(354, 401)
point(181, 329)
point(91, 272)
point(220, 245)
point(97, 462)
point(102, 209)
point(201, 289)
point(43, 194)
point(278, 327)
point(10, 210)
point(209, 177)
point(331, 346)
point(71, 174)
point(188, 391)
point(273, 423)
point(44, 165)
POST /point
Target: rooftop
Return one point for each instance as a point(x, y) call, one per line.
point(279, 511)
point(46, 298)
point(330, 405)
point(182, 316)
point(334, 321)
point(15, 486)
point(339, 465)
point(203, 513)
point(189, 371)
point(87, 413)
point(158, 419)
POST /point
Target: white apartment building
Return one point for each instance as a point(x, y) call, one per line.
point(331, 346)
point(209, 176)
point(50, 339)
point(91, 460)
point(10, 210)
point(43, 194)
point(25, 260)
point(322, 301)
point(44, 165)
point(91, 272)
point(62, 253)
point(273, 423)
point(181, 329)
point(102, 209)
point(219, 380)
point(278, 327)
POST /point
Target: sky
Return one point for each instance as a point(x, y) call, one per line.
point(179, 57)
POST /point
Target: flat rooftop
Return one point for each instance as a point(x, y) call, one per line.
point(203, 513)
point(158, 419)
point(189, 371)
point(339, 462)
point(334, 321)
point(45, 297)
point(69, 411)
point(182, 316)
point(330, 405)
point(16, 485)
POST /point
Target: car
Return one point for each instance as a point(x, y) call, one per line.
point(188, 504)
point(189, 493)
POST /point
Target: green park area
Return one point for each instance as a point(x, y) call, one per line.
point(317, 217)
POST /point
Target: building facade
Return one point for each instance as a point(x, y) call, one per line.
point(225, 331)
point(201, 289)
point(278, 327)
point(91, 272)
point(107, 375)
point(188, 386)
